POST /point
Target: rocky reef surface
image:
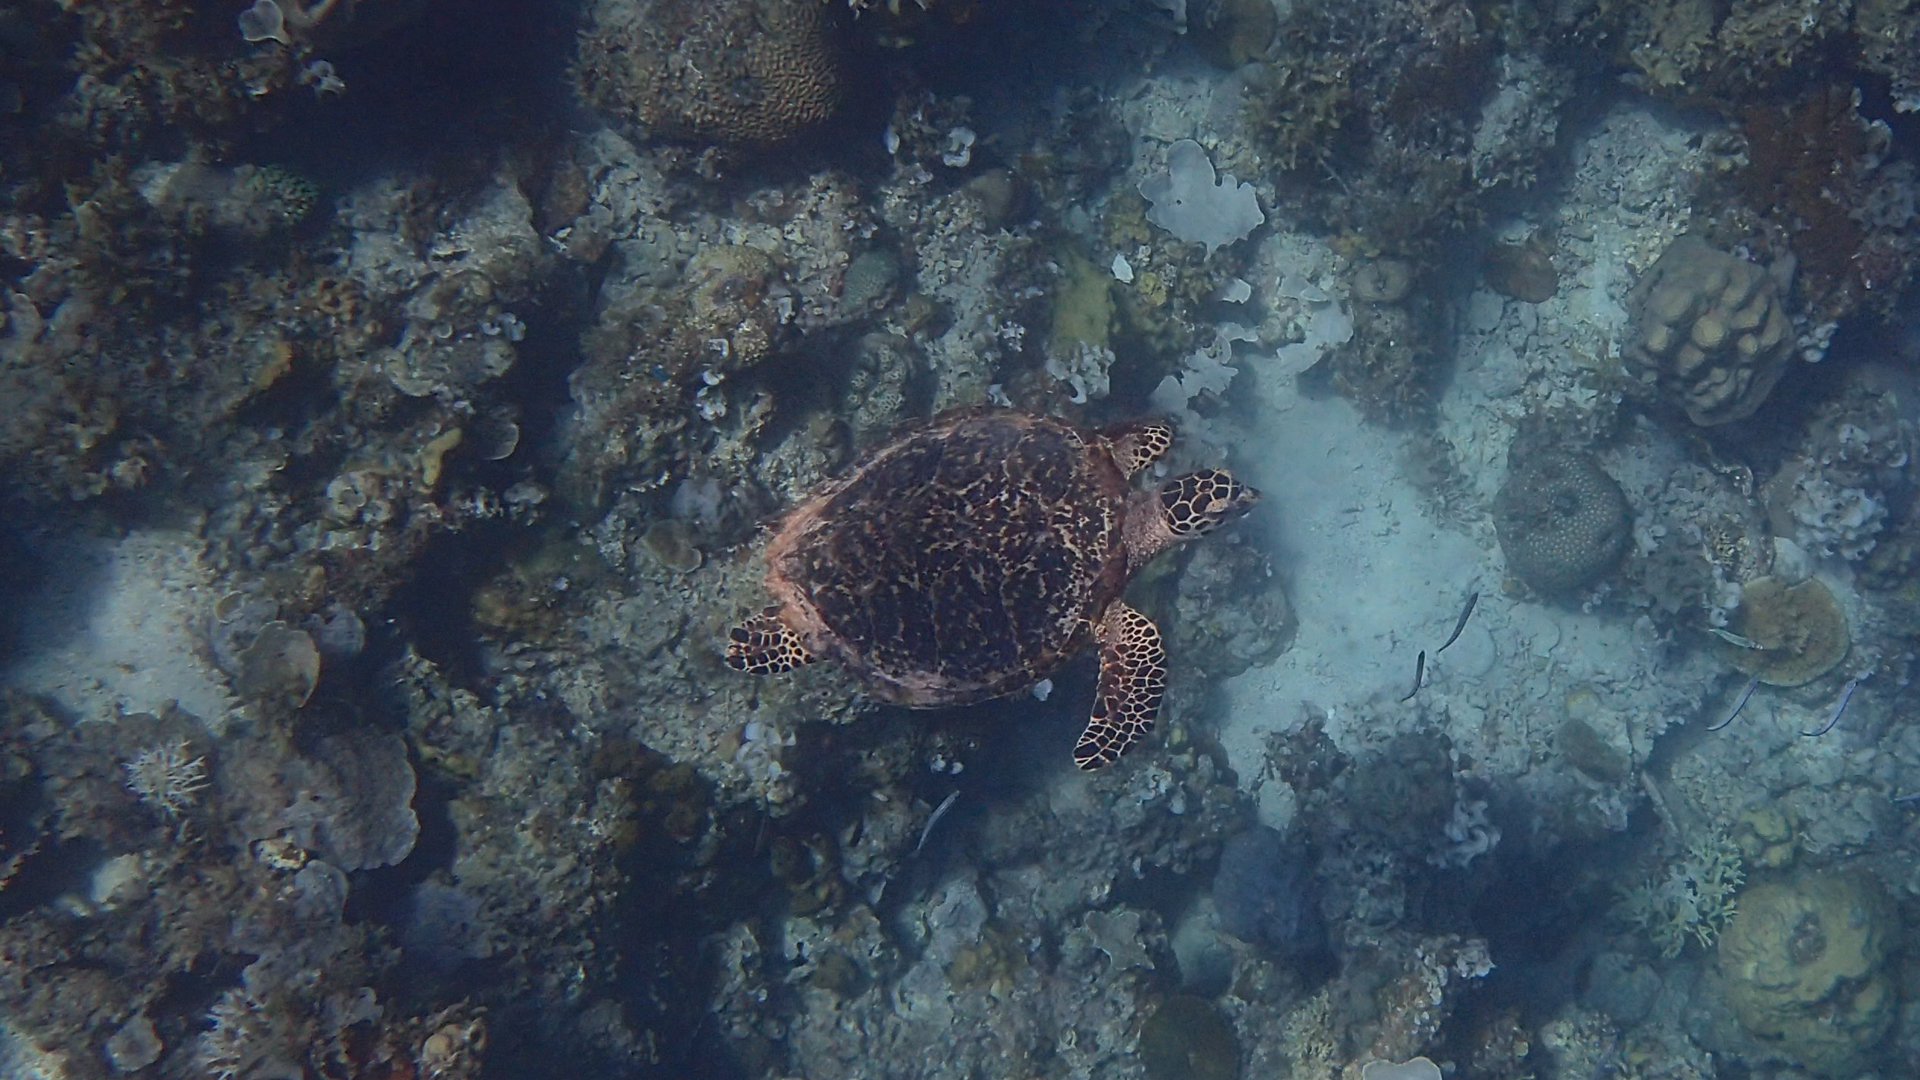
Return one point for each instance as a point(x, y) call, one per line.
point(393, 401)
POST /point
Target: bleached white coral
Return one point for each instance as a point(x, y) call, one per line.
point(1469, 834)
point(1083, 370)
point(1835, 520)
point(1197, 205)
point(165, 777)
point(232, 1045)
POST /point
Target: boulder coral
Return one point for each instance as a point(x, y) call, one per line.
point(1804, 962)
point(1709, 333)
point(1563, 522)
point(736, 72)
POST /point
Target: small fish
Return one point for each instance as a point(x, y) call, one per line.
point(1732, 638)
point(1846, 695)
point(1739, 704)
point(1460, 624)
point(933, 819)
point(1419, 674)
point(1915, 797)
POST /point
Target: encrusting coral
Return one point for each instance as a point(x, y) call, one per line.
point(1803, 962)
point(1789, 635)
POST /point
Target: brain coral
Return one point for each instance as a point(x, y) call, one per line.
point(1805, 967)
point(1709, 332)
point(1562, 520)
point(728, 71)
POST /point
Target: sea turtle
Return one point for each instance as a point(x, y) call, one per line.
point(969, 556)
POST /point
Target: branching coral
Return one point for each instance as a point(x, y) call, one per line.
point(1692, 900)
point(166, 777)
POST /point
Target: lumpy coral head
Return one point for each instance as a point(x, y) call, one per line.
point(726, 71)
point(1709, 332)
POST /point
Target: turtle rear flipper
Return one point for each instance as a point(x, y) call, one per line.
point(764, 645)
point(1133, 679)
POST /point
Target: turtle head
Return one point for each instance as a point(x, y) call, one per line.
point(1183, 508)
point(1200, 502)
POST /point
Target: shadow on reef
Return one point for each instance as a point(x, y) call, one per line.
point(443, 88)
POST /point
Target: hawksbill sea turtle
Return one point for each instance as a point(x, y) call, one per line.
point(970, 556)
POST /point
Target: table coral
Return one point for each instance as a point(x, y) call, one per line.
point(1797, 632)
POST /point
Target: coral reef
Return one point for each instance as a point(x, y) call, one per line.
point(1821, 187)
point(381, 466)
point(1709, 333)
point(1834, 493)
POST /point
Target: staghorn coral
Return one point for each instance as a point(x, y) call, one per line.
point(1709, 333)
point(1692, 900)
point(750, 72)
point(165, 777)
point(1563, 522)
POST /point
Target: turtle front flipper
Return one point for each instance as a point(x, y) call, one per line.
point(1133, 679)
point(764, 645)
point(1138, 445)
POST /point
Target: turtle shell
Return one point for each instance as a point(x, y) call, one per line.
point(961, 560)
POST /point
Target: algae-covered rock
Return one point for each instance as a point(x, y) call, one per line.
point(1789, 635)
point(1804, 966)
point(1230, 33)
point(1082, 306)
point(1188, 1039)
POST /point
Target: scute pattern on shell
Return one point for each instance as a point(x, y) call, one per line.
point(964, 559)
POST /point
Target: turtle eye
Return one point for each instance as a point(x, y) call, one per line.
point(1198, 503)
